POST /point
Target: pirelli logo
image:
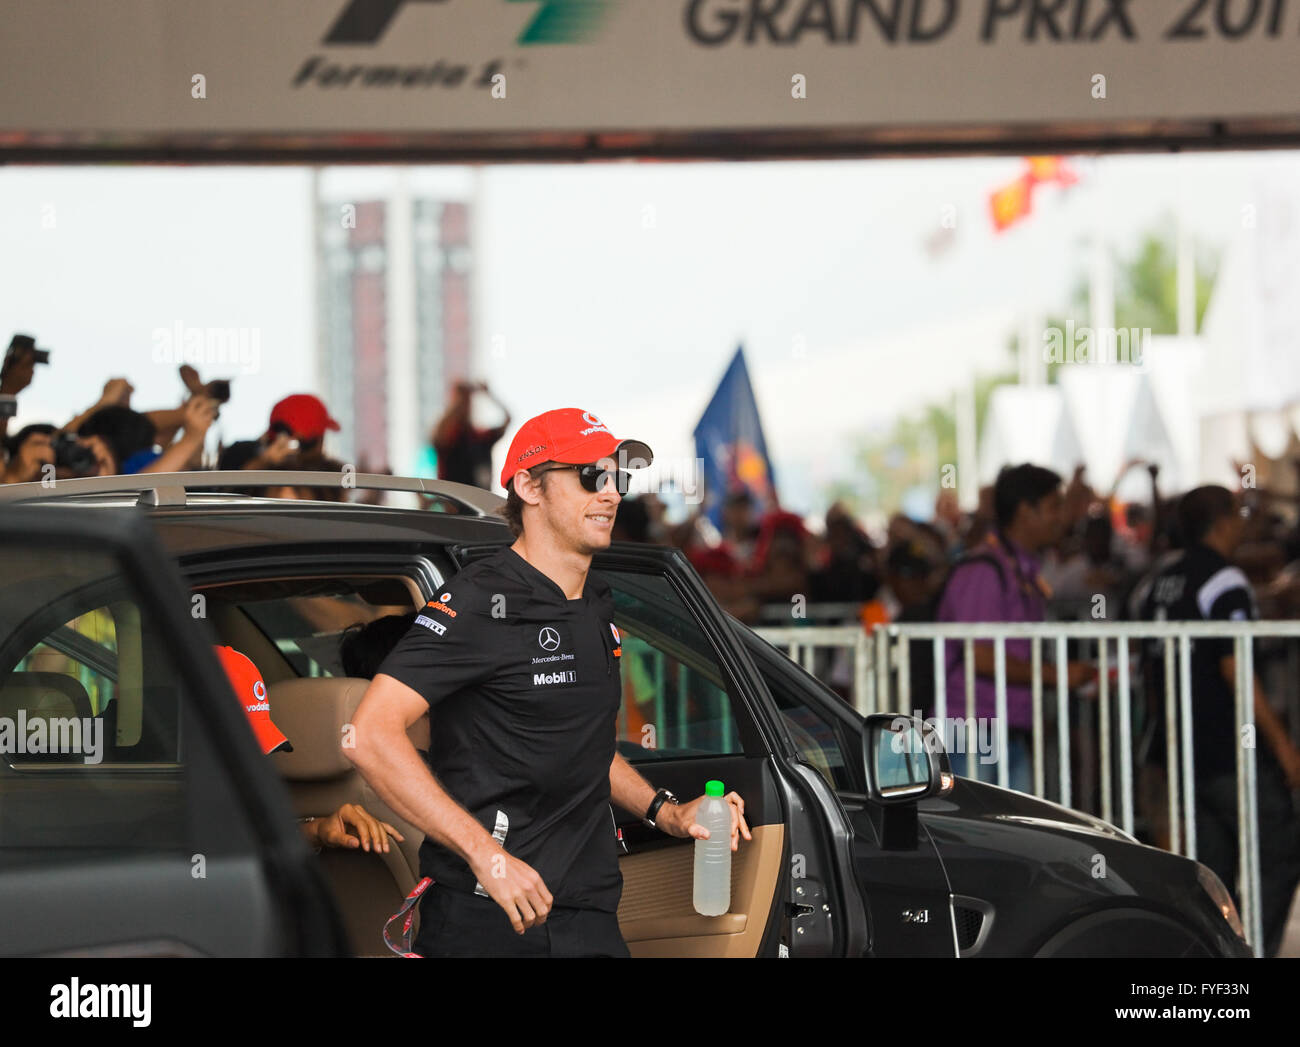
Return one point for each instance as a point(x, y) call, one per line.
point(565, 676)
point(429, 623)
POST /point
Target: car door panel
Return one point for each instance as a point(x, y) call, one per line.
point(656, 913)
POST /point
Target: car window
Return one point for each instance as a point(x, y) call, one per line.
point(90, 714)
point(675, 698)
point(306, 618)
point(819, 737)
point(84, 650)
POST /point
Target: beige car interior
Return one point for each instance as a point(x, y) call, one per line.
point(655, 915)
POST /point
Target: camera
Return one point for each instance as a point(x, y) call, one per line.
point(71, 454)
point(8, 406)
point(25, 343)
point(219, 390)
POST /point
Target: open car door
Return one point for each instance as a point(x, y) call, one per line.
point(138, 816)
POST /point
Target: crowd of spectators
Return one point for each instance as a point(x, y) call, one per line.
point(1039, 548)
point(111, 437)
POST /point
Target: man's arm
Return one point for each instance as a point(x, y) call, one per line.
point(633, 793)
point(390, 763)
point(628, 789)
point(117, 392)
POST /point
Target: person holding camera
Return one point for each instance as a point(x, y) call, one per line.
point(464, 452)
point(30, 450)
point(297, 427)
point(16, 374)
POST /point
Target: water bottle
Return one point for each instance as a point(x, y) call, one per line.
point(713, 856)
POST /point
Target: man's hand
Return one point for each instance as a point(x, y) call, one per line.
point(371, 834)
point(117, 393)
point(515, 886)
point(18, 375)
point(277, 450)
point(679, 819)
point(199, 413)
point(1076, 674)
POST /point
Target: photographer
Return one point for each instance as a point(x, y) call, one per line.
point(465, 452)
point(16, 374)
point(30, 450)
point(122, 440)
point(297, 427)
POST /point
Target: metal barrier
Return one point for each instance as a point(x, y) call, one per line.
point(882, 683)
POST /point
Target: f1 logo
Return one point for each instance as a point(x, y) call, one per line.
point(365, 21)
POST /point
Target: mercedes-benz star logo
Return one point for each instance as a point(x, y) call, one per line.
point(549, 639)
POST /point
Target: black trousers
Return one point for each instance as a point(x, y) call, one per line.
point(1279, 842)
point(462, 924)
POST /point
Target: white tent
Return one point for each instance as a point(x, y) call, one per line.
point(1027, 424)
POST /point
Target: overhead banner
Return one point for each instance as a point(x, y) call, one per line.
point(99, 70)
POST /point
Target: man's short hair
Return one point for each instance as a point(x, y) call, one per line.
point(1200, 509)
point(1017, 484)
point(513, 510)
point(124, 431)
point(14, 444)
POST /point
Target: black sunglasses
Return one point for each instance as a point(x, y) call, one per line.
point(593, 478)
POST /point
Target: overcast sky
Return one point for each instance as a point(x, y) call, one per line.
point(622, 288)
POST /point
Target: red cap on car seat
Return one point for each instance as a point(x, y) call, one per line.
point(574, 437)
point(248, 686)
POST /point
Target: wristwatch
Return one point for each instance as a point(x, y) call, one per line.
point(661, 796)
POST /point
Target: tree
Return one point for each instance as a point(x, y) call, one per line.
point(892, 462)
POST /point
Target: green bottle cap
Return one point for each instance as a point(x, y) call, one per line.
point(713, 788)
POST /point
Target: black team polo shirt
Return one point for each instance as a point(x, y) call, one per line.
point(1199, 585)
point(523, 689)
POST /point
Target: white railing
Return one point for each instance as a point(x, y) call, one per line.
point(882, 683)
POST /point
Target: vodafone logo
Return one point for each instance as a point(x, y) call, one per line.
point(595, 425)
point(614, 629)
point(259, 690)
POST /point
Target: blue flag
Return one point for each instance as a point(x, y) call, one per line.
point(729, 440)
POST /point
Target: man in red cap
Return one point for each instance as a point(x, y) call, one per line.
point(330, 830)
point(516, 662)
point(301, 420)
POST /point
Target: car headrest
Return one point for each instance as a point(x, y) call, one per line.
point(43, 695)
point(311, 713)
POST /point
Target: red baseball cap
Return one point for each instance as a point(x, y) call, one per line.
point(305, 416)
point(248, 686)
point(574, 437)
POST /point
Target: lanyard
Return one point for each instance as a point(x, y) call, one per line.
point(407, 910)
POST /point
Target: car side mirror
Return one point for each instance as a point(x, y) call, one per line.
point(905, 759)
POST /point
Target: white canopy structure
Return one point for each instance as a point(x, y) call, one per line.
point(1027, 424)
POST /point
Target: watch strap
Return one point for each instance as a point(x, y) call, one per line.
point(662, 796)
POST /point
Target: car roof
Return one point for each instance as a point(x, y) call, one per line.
point(173, 489)
point(193, 515)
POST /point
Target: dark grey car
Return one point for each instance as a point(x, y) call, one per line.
point(173, 834)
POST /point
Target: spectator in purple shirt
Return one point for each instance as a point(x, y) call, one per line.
point(999, 581)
